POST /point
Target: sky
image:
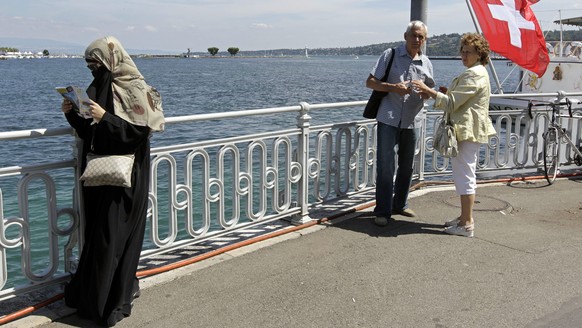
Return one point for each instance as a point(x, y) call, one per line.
point(176, 25)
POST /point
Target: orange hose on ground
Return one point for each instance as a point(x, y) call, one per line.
point(30, 309)
point(143, 273)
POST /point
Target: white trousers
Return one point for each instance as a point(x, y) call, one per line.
point(464, 168)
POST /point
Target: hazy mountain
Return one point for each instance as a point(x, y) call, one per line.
point(61, 47)
point(38, 45)
point(438, 45)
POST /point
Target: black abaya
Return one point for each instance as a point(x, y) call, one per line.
point(103, 287)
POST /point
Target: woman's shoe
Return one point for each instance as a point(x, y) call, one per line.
point(452, 223)
point(465, 231)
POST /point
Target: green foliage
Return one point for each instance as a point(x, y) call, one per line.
point(232, 51)
point(45, 53)
point(8, 49)
point(213, 50)
point(446, 45)
point(566, 36)
point(443, 45)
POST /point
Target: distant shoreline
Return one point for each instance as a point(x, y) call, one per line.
point(146, 56)
point(290, 56)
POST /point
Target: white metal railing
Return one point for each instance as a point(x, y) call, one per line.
point(203, 189)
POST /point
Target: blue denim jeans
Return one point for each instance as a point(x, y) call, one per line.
point(392, 193)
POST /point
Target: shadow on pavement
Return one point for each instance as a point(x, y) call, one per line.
point(73, 320)
point(364, 223)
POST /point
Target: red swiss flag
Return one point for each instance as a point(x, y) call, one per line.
point(513, 31)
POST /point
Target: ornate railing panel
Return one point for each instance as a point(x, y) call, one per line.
point(206, 188)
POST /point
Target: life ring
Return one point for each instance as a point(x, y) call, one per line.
point(533, 82)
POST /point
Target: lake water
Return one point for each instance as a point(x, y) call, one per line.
point(188, 86)
point(193, 86)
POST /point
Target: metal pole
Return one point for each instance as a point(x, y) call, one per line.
point(561, 34)
point(491, 67)
point(419, 11)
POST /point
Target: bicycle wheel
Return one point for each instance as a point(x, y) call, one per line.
point(551, 164)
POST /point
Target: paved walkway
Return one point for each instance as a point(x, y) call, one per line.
point(522, 269)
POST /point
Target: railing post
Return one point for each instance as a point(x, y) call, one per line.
point(421, 141)
point(78, 236)
point(303, 123)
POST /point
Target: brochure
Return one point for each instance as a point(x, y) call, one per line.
point(78, 97)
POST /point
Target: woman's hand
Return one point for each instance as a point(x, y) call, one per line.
point(96, 110)
point(66, 106)
point(422, 89)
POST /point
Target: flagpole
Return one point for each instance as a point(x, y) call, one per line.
point(495, 77)
point(561, 33)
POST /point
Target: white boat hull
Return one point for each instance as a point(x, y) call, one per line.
point(563, 74)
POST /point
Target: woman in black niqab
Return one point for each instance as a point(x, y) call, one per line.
point(125, 111)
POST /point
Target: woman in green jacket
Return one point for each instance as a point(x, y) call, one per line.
point(467, 102)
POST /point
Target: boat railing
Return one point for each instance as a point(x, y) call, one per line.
point(220, 181)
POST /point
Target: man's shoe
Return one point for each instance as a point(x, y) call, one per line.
point(465, 231)
point(381, 221)
point(405, 212)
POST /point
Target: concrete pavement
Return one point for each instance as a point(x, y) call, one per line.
point(522, 269)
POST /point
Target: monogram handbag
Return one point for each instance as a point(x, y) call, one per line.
point(445, 140)
point(371, 109)
point(108, 170)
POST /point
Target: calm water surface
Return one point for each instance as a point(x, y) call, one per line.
point(196, 86)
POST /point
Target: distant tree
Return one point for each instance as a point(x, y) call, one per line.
point(45, 53)
point(213, 50)
point(8, 49)
point(232, 51)
point(566, 35)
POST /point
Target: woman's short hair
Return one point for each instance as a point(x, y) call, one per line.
point(480, 43)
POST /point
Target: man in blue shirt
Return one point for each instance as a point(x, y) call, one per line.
point(396, 120)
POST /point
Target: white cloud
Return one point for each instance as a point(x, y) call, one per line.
point(262, 26)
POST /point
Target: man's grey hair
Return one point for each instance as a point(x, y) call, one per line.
point(416, 25)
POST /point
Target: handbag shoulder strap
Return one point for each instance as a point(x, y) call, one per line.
point(93, 130)
point(447, 118)
point(389, 65)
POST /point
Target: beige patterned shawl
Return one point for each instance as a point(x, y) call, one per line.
point(134, 100)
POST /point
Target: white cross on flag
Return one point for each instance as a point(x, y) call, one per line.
point(513, 31)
